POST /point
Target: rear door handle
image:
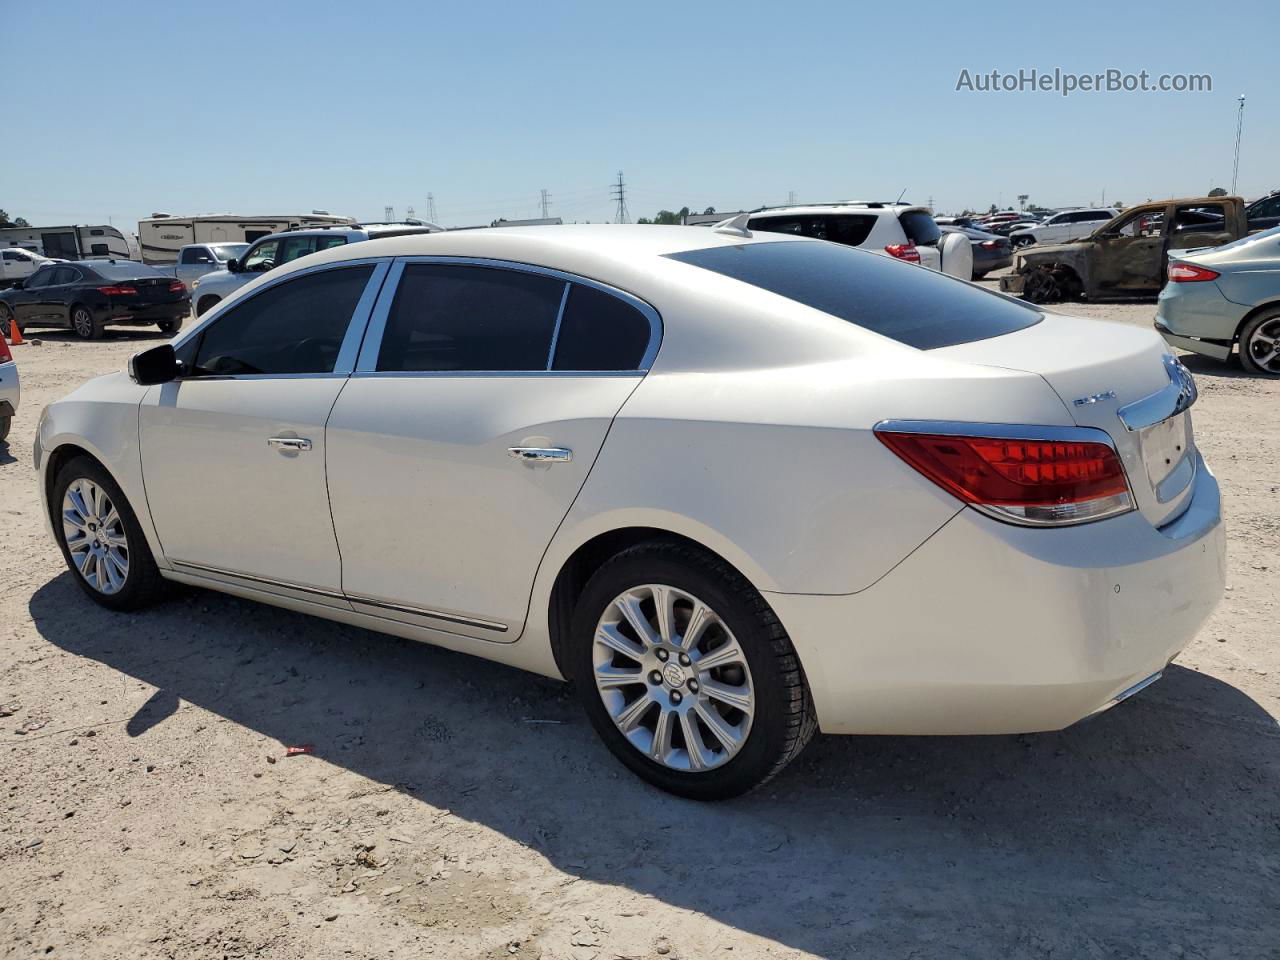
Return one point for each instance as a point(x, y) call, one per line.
point(540, 454)
point(296, 444)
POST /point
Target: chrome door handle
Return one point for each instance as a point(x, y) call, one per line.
point(540, 454)
point(289, 443)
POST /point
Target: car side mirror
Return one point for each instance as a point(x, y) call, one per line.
point(233, 265)
point(18, 284)
point(157, 365)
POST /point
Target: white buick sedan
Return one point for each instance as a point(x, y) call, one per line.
point(736, 488)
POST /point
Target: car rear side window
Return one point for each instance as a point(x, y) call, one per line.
point(913, 305)
point(294, 327)
point(451, 317)
point(850, 229)
point(600, 332)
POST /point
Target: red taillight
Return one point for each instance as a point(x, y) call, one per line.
point(1027, 481)
point(177, 287)
point(1190, 273)
point(114, 291)
point(5, 355)
point(903, 251)
point(990, 244)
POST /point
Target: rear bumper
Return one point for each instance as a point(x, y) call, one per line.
point(990, 628)
point(1197, 317)
point(148, 313)
point(10, 390)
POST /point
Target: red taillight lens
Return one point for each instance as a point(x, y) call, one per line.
point(1041, 482)
point(990, 244)
point(5, 355)
point(114, 291)
point(903, 251)
point(177, 287)
point(1190, 273)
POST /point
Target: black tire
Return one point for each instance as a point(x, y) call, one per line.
point(143, 584)
point(205, 303)
point(980, 275)
point(6, 423)
point(84, 324)
point(1249, 348)
point(169, 326)
point(783, 721)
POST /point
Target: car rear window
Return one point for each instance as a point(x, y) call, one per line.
point(911, 304)
point(919, 227)
point(124, 270)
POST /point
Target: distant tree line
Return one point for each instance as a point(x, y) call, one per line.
point(673, 218)
point(17, 222)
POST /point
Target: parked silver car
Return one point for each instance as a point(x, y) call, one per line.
point(1218, 297)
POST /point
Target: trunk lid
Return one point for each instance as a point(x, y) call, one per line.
point(153, 290)
point(1113, 377)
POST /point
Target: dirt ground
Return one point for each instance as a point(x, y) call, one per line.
point(454, 808)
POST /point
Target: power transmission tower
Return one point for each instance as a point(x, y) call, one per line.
point(1235, 170)
point(546, 202)
point(619, 192)
point(388, 214)
point(409, 214)
point(791, 198)
point(431, 208)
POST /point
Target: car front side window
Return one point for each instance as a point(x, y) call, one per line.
point(40, 278)
point(294, 327)
point(262, 257)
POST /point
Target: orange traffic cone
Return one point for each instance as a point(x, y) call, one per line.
point(15, 335)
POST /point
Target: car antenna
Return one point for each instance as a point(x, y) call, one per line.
point(901, 195)
point(734, 225)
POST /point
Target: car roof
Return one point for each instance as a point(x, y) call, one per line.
point(852, 207)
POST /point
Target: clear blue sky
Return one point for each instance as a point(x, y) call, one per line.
point(117, 110)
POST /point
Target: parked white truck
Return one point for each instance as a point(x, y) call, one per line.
point(18, 264)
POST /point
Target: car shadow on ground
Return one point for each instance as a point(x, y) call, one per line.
point(1152, 824)
point(64, 335)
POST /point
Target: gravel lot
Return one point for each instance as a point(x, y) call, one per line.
point(454, 808)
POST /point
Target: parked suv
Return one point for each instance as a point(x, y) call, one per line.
point(893, 229)
point(1063, 226)
point(281, 248)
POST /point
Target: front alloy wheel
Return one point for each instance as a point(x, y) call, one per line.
point(95, 536)
point(1260, 345)
point(673, 678)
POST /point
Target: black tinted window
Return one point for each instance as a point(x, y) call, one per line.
point(64, 275)
point(196, 255)
point(40, 278)
point(850, 229)
point(918, 307)
point(600, 332)
point(919, 227)
point(450, 317)
point(294, 327)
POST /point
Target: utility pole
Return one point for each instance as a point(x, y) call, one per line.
point(619, 192)
point(388, 214)
point(431, 208)
point(1235, 170)
point(546, 202)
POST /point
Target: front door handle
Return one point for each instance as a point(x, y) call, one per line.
point(295, 444)
point(540, 454)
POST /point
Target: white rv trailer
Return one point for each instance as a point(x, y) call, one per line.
point(162, 235)
point(78, 242)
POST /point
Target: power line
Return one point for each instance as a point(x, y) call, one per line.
point(546, 202)
point(619, 193)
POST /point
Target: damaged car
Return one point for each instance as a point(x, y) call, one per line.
point(1126, 256)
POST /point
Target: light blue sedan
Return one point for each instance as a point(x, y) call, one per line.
point(1218, 297)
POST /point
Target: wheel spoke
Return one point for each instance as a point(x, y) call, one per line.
point(630, 717)
point(722, 656)
point(739, 697)
point(699, 620)
point(629, 607)
point(609, 677)
point(694, 747)
point(661, 745)
point(726, 734)
point(76, 495)
point(609, 636)
point(664, 613)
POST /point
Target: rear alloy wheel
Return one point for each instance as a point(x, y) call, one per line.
point(85, 326)
point(6, 322)
point(101, 540)
point(686, 673)
point(1260, 344)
